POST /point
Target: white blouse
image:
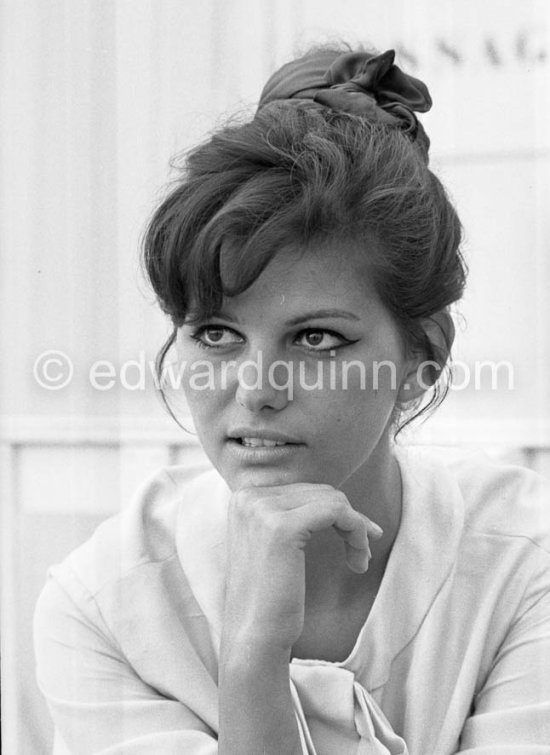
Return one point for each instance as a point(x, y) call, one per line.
point(454, 656)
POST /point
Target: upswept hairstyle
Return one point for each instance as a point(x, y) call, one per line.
point(301, 174)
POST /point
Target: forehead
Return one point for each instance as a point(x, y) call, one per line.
point(331, 273)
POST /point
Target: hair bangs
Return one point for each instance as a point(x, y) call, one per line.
point(237, 243)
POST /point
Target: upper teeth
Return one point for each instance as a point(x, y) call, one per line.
point(261, 442)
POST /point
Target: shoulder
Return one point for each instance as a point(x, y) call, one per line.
point(489, 523)
point(503, 500)
point(144, 534)
point(498, 499)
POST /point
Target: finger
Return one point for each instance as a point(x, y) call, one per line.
point(334, 510)
point(315, 507)
point(358, 552)
point(357, 559)
point(349, 525)
point(375, 530)
point(295, 495)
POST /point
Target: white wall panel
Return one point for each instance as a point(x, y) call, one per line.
point(506, 312)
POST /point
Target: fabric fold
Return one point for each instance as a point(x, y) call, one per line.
point(341, 713)
point(374, 727)
point(308, 748)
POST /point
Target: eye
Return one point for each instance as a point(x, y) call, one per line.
point(317, 339)
point(216, 336)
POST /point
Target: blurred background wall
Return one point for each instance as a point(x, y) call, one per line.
point(97, 95)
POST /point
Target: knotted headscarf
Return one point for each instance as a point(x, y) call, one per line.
point(360, 83)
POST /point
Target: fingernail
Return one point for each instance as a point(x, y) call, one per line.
point(377, 531)
point(359, 568)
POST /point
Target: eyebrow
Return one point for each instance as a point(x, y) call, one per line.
point(317, 314)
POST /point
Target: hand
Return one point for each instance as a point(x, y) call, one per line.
point(268, 531)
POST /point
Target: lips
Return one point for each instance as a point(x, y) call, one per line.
point(259, 442)
point(261, 449)
point(256, 438)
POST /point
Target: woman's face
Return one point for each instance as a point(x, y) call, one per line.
point(270, 367)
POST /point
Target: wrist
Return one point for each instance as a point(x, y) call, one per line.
point(253, 651)
point(256, 711)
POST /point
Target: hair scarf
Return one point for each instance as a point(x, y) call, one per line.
point(360, 83)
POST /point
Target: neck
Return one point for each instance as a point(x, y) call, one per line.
point(375, 491)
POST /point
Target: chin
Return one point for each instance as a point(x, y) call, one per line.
point(259, 477)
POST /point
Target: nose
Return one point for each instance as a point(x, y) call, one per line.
point(258, 388)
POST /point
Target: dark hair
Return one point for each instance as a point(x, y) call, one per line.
point(298, 173)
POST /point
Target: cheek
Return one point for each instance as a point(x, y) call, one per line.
point(375, 383)
point(203, 413)
point(199, 378)
point(367, 383)
point(359, 409)
point(203, 400)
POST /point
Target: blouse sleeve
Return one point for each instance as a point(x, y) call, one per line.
point(98, 703)
point(511, 713)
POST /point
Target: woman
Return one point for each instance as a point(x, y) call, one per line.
point(321, 589)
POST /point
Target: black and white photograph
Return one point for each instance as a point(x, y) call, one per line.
point(274, 396)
